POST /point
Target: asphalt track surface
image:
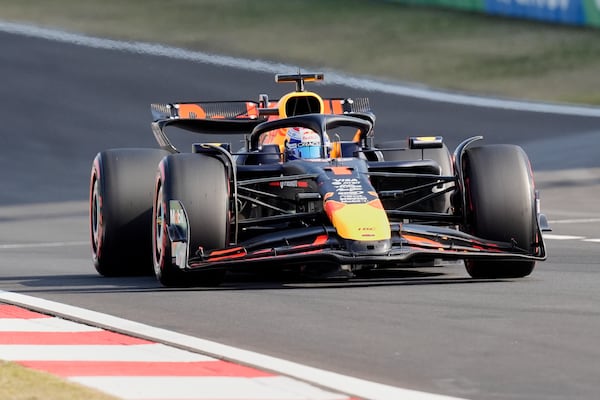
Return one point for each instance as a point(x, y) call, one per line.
point(433, 330)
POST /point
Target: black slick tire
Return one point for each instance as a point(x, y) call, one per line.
point(500, 206)
point(200, 182)
point(120, 210)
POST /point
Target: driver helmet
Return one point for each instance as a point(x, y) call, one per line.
point(304, 143)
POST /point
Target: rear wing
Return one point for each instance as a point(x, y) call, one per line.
point(234, 117)
point(208, 117)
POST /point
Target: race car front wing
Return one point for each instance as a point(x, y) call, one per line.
point(409, 243)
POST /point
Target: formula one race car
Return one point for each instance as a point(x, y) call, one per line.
point(297, 196)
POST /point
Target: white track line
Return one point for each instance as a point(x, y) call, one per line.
point(7, 246)
point(43, 325)
point(326, 379)
point(333, 77)
point(575, 221)
point(562, 237)
point(213, 388)
point(111, 352)
point(570, 237)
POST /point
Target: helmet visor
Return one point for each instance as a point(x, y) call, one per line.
point(309, 151)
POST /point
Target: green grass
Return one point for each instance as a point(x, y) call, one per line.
point(19, 383)
point(441, 48)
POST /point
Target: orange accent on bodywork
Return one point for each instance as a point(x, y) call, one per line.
point(320, 240)
point(231, 257)
point(332, 106)
point(191, 111)
point(332, 206)
point(226, 251)
point(341, 170)
point(262, 251)
point(277, 137)
point(421, 241)
point(363, 221)
point(336, 150)
point(238, 252)
point(251, 110)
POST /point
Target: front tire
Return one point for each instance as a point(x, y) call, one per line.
point(500, 206)
point(200, 182)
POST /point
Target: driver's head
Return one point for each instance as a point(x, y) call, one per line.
point(303, 143)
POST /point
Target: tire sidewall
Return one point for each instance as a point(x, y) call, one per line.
point(96, 220)
point(187, 178)
point(500, 206)
point(120, 210)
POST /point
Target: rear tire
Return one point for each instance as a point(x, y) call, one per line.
point(201, 183)
point(121, 187)
point(500, 206)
